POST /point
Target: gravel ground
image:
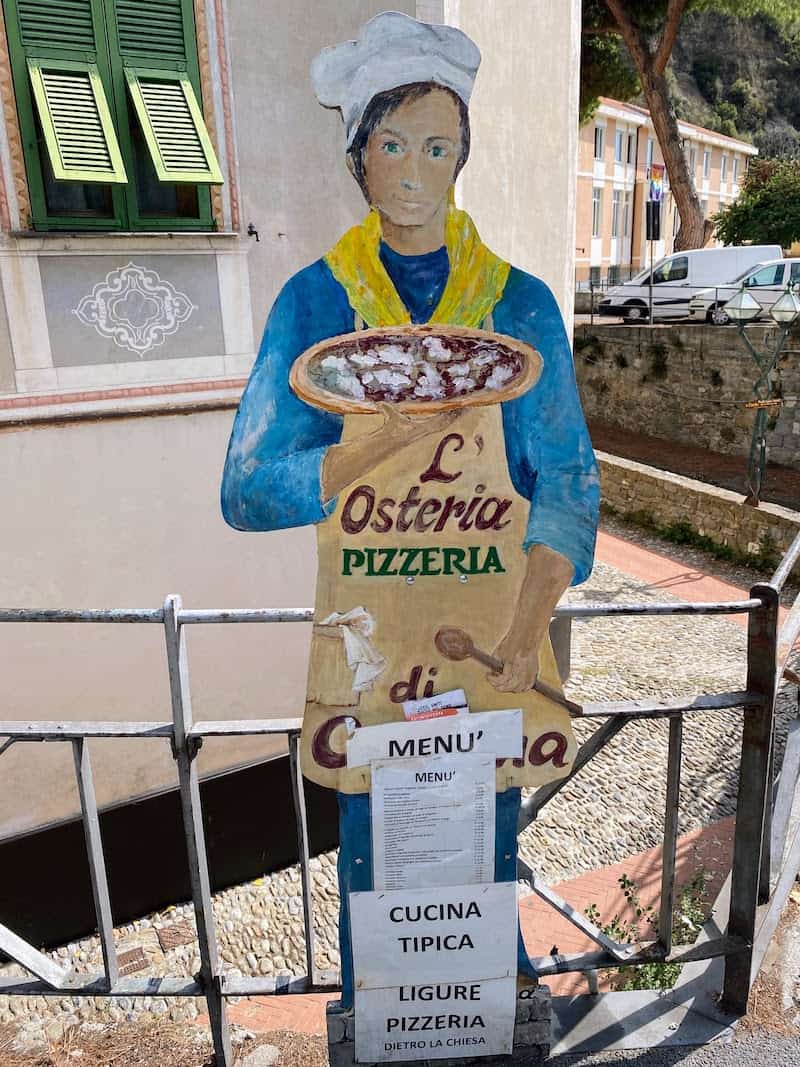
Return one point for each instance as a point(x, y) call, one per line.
point(615, 806)
point(612, 810)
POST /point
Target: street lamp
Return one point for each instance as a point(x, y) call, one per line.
point(741, 309)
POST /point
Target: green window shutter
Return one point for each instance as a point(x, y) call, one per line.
point(56, 24)
point(76, 121)
point(154, 29)
point(173, 126)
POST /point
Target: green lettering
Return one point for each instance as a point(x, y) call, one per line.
point(388, 557)
point(453, 559)
point(433, 560)
point(409, 555)
point(429, 557)
point(492, 561)
point(351, 557)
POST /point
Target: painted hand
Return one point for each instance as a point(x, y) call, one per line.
point(407, 428)
point(350, 460)
point(520, 659)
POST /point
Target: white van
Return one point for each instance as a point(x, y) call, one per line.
point(679, 277)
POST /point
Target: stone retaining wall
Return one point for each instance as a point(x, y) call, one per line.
point(687, 383)
point(583, 300)
point(635, 490)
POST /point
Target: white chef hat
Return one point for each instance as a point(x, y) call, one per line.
point(392, 49)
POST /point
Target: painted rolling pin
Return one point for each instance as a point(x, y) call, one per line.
point(456, 644)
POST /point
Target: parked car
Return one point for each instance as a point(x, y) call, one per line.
point(679, 277)
point(766, 282)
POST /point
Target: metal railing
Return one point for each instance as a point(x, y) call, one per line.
point(605, 277)
point(766, 844)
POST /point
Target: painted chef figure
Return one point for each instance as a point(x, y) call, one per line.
point(473, 516)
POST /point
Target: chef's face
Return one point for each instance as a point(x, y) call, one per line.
point(411, 159)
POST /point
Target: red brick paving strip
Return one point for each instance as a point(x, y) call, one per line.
point(176, 934)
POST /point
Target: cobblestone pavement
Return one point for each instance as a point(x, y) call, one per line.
point(613, 809)
point(615, 806)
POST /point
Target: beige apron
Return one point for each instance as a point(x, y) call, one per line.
point(430, 537)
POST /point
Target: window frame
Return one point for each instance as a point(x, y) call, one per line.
point(599, 141)
point(191, 67)
point(619, 146)
point(597, 211)
point(107, 57)
point(751, 282)
point(616, 211)
point(678, 274)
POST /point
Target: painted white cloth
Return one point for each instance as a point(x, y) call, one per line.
point(363, 659)
point(392, 49)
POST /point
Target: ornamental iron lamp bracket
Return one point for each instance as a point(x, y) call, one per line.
point(742, 309)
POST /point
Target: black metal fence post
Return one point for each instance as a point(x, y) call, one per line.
point(752, 821)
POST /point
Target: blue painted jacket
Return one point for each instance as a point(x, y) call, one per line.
point(272, 477)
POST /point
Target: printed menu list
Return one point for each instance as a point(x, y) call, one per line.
point(433, 821)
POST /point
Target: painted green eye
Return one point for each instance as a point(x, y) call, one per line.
point(438, 151)
point(392, 148)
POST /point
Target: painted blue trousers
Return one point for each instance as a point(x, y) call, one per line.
point(355, 867)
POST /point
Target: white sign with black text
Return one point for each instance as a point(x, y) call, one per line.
point(444, 934)
point(483, 733)
point(433, 822)
point(443, 1020)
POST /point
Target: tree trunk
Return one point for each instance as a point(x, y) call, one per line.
point(650, 65)
point(695, 231)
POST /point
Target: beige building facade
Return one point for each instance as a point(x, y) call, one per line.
point(126, 339)
point(616, 151)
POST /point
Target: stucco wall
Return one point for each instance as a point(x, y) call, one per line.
point(295, 187)
point(6, 354)
point(519, 184)
point(520, 180)
point(118, 513)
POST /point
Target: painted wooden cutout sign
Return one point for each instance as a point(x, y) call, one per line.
point(414, 396)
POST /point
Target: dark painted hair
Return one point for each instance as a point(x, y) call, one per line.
point(384, 104)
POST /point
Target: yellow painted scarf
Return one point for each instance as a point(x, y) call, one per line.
point(475, 283)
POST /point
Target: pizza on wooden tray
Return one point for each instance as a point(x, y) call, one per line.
point(421, 369)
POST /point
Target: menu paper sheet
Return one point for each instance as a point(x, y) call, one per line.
point(433, 822)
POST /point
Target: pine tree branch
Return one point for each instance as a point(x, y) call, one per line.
point(675, 10)
point(633, 36)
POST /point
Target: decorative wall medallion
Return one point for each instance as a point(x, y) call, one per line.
point(136, 308)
